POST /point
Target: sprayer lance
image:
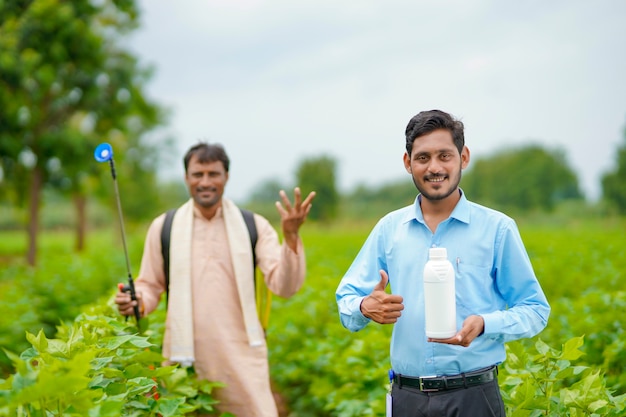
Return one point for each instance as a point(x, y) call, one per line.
point(104, 153)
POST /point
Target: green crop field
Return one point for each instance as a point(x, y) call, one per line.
point(575, 367)
point(323, 366)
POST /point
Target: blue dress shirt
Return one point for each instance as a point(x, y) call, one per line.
point(494, 279)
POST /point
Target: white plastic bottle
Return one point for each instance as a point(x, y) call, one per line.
point(439, 295)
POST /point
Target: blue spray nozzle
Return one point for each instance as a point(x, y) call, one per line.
point(392, 375)
point(103, 152)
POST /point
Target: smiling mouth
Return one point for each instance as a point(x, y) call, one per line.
point(436, 179)
point(205, 190)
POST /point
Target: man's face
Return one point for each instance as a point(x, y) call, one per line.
point(435, 164)
point(206, 181)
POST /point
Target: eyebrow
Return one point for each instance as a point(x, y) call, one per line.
point(444, 150)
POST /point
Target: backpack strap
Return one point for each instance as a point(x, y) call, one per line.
point(166, 232)
point(248, 217)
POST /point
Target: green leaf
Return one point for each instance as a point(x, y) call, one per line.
point(102, 362)
point(543, 348)
point(39, 342)
point(137, 370)
point(571, 349)
point(112, 343)
point(139, 386)
point(108, 408)
point(58, 348)
point(169, 407)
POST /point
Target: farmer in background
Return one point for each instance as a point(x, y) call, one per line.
point(498, 297)
point(212, 321)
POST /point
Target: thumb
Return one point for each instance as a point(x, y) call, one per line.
point(382, 284)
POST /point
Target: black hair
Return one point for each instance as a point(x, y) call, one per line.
point(426, 122)
point(207, 153)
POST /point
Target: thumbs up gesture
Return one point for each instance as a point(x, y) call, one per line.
point(381, 307)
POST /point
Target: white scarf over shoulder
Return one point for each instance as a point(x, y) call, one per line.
point(180, 311)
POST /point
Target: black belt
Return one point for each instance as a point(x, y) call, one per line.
point(442, 383)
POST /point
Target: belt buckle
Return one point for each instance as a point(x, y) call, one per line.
point(421, 385)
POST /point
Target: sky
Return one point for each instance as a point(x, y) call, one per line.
point(277, 82)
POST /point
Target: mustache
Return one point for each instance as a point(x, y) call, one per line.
point(433, 176)
point(201, 189)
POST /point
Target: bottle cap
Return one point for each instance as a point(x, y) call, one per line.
point(437, 253)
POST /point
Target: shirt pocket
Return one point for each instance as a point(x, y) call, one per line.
point(475, 289)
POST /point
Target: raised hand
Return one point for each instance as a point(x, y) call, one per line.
point(293, 215)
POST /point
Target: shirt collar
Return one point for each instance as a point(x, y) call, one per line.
point(461, 211)
point(198, 214)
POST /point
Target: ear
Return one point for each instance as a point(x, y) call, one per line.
point(407, 162)
point(465, 157)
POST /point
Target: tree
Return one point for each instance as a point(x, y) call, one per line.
point(373, 202)
point(266, 192)
point(262, 199)
point(65, 85)
point(526, 178)
point(318, 174)
point(613, 188)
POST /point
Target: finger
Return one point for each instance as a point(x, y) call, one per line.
point(392, 309)
point(124, 308)
point(297, 197)
point(128, 311)
point(457, 339)
point(392, 313)
point(307, 201)
point(122, 298)
point(395, 300)
point(450, 341)
point(382, 284)
point(286, 202)
point(280, 208)
point(389, 320)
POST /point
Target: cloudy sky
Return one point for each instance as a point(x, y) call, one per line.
point(279, 81)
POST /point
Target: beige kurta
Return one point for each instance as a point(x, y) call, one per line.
point(220, 341)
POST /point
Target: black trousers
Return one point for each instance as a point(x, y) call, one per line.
point(476, 401)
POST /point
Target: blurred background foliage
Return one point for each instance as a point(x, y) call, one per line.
point(67, 83)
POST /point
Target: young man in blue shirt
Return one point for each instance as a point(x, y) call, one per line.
point(498, 297)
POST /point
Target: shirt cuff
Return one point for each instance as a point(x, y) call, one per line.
point(493, 323)
point(353, 319)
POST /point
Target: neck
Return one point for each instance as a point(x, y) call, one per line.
point(208, 212)
point(436, 211)
point(439, 206)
